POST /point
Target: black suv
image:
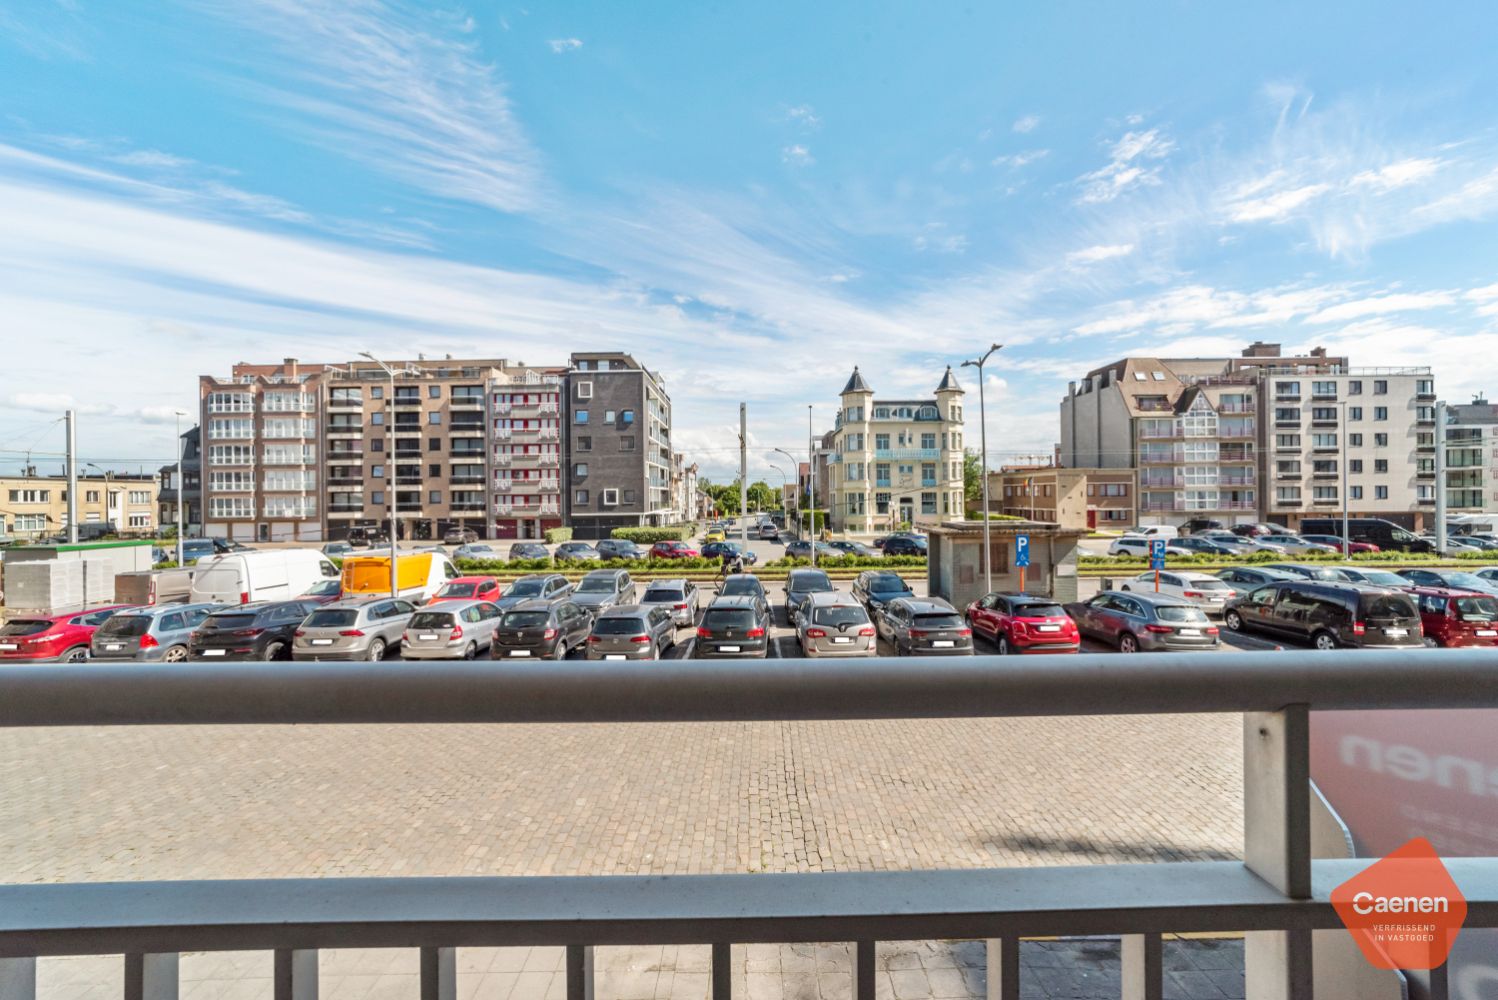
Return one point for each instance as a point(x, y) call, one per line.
point(875, 588)
point(733, 627)
point(1197, 524)
point(250, 631)
point(905, 545)
point(1328, 615)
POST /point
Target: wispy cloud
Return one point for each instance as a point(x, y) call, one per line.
point(1016, 160)
point(805, 116)
point(400, 87)
point(1092, 255)
point(797, 155)
point(1397, 175)
point(1379, 305)
point(1133, 161)
point(1026, 124)
point(560, 45)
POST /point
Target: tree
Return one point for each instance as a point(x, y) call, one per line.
point(763, 496)
point(972, 476)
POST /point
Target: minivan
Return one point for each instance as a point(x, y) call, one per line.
point(261, 575)
point(1328, 615)
point(1385, 534)
point(1457, 617)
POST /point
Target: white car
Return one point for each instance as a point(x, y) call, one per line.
point(1130, 545)
point(1207, 592)
point(1154, 531)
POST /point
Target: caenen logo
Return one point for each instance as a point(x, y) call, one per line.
point(1404, 911)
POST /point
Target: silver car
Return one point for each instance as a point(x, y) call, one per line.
point(918, 626)
point(833, 624)
point(632, 632)
point(157, 634)
point(450, 630)
point(603, 588)
point(1293, 544)
point(678, 596)
point(1149, 622)
point(368, 628)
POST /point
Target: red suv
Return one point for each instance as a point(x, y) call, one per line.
point(53, 637)
point(1024, 623)
point(468, 588)
point(1457, 617)
point(672, 550)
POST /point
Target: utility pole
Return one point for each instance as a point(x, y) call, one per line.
point(983, 464)
point(390, 476)
point(744, 474)
point(72, 420)
point(181, 486)
point(811, 473)
point(1346, 541)
point(1441, 477)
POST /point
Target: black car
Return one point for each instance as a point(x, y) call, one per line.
point(529, 550)
point(543, 630)
point(250, 631)
point(1387, 535)
point(905, 545)
point(1197, 524)
point(877, 587)
point(800, 584)
point(1328, 615)
point(746, 585)
point(619, 548)
point(733, 628)
point(726, 551)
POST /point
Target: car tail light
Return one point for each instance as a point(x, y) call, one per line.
point(1358, 628)
point(1020, 629)
point(1158, 628)
point(594, 638)
point(352, 633)
point(550, 633)
point(866, 630)
point(1192, 593)
point(704, 633)
point(148, 641)
point(816, 633)
point(405, 637)
point(754, 633)
point(1212, 630)
point(639, 638)
point(456, 633)
point(247, 631)
point(299, 632)
point(679, 607)
point(964, 631)
point(917, 633)
point(244, 597)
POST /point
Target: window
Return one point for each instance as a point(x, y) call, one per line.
point(377, 471)
point(92, 496)
point(1380, 465)
point(1287, 388)
point(31, 522)
point(434, 392)
point(1324, 467)
point(881, 442)
point(377, 497)
point(627, 417)
point(585, 442)
point(377, 418)
point(585, 391)
point(1355, 440)
point(609, 498)
point(1158, 376)
point(1115, 489)
point(1287, 440)
point(1354, 413)
point(928, 441)
point(627, 443)
point(30, 496)
point(376, 392)
point(1355, 492)
point(1287, 493)
point(1140, 377)
point(1380, 413)
point(1380, 387)
point(434, 496)
point(579, 416)
point(629, 498)
point(608, 416)
point(1324, 492)
point(1323, 388)
point(1380, 493)
point(435, 444)
point(240, 507)
point(1380, 440)
point(1355, 387)
point(580, 470)
point(1287, 414)
point(434, 470)
point(1355, 465)
point(1324, 413)
point(434, 417)
point(1288, 468)
point(580, 498)
point(378, 444)
point(1323, 440)
point(928, 503)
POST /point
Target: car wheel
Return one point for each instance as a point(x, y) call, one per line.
point(177, 654)
point(1004, 648)
point(274, 651)
point(1127, 643)
point(1233, 621)
point(1324, 640)
point(78, 654)
point(376, 651)
point(1430, 643)
point(471, 652)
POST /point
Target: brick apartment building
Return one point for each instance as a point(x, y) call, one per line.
point(1073, 498)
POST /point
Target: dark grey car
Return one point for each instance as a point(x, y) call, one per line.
point(924, 627)
point(800, 584)
point(544, 630)
point(160, 633)
point(1245, 578)
point(535, 586)
point(1149, 622)
point(632, 632)
point(604, 588)
point(747, 585)
point(619, 548)
point(877, 587)
point(733, 628)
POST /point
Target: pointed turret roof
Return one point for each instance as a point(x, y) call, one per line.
point(855, 383)
point(949, 382)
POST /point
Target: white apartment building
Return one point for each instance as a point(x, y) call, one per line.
point(1472, 458)
point(896, 460)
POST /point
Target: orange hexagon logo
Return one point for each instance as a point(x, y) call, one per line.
point(1403, 911)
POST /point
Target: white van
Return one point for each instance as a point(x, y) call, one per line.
point(260, 575)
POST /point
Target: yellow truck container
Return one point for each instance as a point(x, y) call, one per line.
point(419, 575)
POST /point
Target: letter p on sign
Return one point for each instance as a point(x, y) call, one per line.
point(1404, 911)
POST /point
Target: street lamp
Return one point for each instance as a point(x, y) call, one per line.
point(108, 479)
point(792, 459)
point(390, 465)
point(181, 486)
point(983, 443)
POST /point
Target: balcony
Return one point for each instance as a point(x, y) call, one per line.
point(466, 403)
point(1234, 433)
point(334, 403)
point(1157, 434)
point(336, 431)
point(884, 454)
point(1248, 407)
point(1157, 458)
point(1323, 421)
point(1235, 481)
point(502, 409)
point(1161, 482)
point(1235, 455)
point(503, 485)
point(881, 484)
point(408, 402)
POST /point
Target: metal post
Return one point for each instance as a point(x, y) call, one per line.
point(811, 472)
point(390, 475)
point(744, 475)
point(863, 970)
point(983, 463)
point(1143, 967)
point(579, 962)
point(1003, 968)
point(295, 974)
point(151, 976)
point(439, 973)
point(18, 978)
point(1346, 541)
point(181, 486)
point(72, 420)
point(1441, 477)
point(722, 969)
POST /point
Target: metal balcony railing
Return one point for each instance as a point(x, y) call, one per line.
point(1277, 894)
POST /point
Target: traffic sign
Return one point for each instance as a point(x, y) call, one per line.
point(1021, 551)
point(1157, 553)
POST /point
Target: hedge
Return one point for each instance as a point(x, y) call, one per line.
point(1252, 558)
point(977, 515)
point(559, 534)
point(649, 536)
point(848, 562)
point(540, 565)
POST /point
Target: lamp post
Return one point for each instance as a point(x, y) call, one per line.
point(978, 363)
point(390, 481)
point(792, 459)
point(1346, 541)
point(108, 480)
point(181, 486)
point(811, 472)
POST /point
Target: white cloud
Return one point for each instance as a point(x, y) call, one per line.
point(151, 158)
point(51, 402)
point(560, 45)
point(1092, 255)
point(1396, 175)
point(1278, 206)
point(805, 116)
point(797, 155)
point(1381, 304)
point(1129, 166)
point(1016, 160)
point(1026, 124)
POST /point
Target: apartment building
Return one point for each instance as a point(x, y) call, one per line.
point(618, 445)
point(33, 506)
point(189, 492)
point(1262, 436)
point(526, 408)
point(686, 502)
point(1472, 458)
point(1073, 498)
point(895, 460)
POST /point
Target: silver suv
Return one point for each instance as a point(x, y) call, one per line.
point(632, 632)
point(363, 629)
point(450, 630)
point(833, 624)
point(156, 634)
point(677, 596)
point(604, 588)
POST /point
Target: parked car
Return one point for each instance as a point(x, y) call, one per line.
point(452, 630)
point(1149, 622)
point(575, 552)
point(459, 536)
point(323, 592)
point(604, 588)
point(468, 588)
point(544, 630)
point(673, 550)
point(1376, 577)
point(619, 548)
point(536, 586)
point(250, 631)
point(1328, 615)
point(1335, 543)
point(1456, 617)
point(363, 628)
point(528, 550)
point(1153, 531)
point(1453, 579)
point(337, 549)
point(801, 549)
point(733, 628)
point(1238, 544)
point(715, 535)
point(903, 545)
point(875, 587)
point(851, 548)
point(1245, 578)
point(800, 585)
point(1256, 530)
point(1453, 543)
point(1130, 545)
point(1487, 573)
point(194, 549)
point(155, 634)
point(727, 550)
point(1201, 546)
point(478, 552)
point(1199, 524)
point(1023, 623)
point(768, 531)
point(632, 632)
point(1295, 544)
point(924, 626)
point(1306, 571)
point(1210, 593)
point(747, 585)
point(679, 597)
point(1385, 534)
point(63, 638)
point(833, 624)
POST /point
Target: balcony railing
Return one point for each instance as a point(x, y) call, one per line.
point(1278, 891)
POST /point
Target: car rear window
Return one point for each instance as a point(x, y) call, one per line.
point(1383, 578)
point(431, 619)
point(659, 595)
point(1179, 615)
point(1385, 606)
point(741, 585)
point(839, 615)
point(1477, 609)
point(227, 621)
point(943, 620)
point(811, 583)
point(126, 625)
point(728, 618)
point(600, 585)
point(619, 626)
point(525, 619)
point(1039, 611)
point(331, 618)
point(457, 590)
point(1206, 585)
point(25, 626)
point(888, 585)
point(1324, 573)
point(524, 588)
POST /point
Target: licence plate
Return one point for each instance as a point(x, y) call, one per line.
point(615, 656)
point(114, 645)
point(1189, 631)
point(1396, 631)
point(426, 636)
point(943, 643)
point(322, 642)
point(11, 645)
point(735, 649)
point(1481, 631)
point(1049, 628)
point(841, 638)
point(520, 652)
point(214, 652)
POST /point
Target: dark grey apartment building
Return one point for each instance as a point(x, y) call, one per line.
point(618, 419)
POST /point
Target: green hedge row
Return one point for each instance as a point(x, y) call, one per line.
point(657, 566)
point(649, 536)
point(1252, 558)
point(849, 562)
point(559, 534)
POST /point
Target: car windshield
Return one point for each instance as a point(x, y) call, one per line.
point(1382, 578)
point(1470, 580)
point(619, 626)
point(524, 588)
point(811, 583)
point(597, 586)
point(431, 619)
point(1395, 606)
point(840, 614)
point(944, 619)
point(457, 590)
point(25, 626)
point(325, 587)
point(661, 595)
point(477, 549)
point(1323, 573)
point(1180, 615)
point(1039, 610)
point(888, 585)
point(728, 618)
point(525, 619)
point(331, 618)
point(126, 625)
point(741, 585)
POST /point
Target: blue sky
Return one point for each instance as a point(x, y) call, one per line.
point(751, 198)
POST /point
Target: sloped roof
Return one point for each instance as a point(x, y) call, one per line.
point(949, 382)
point(855, 383)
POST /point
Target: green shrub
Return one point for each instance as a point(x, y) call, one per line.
point(977, 515)
point(649, 536)
point(656, 567)
point(849, 562)
point(559, 534)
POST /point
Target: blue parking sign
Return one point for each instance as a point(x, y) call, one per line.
point(1157, 553)
point(1021, 551)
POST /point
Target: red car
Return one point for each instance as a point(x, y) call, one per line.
point(1456, 617)
point(1024, 623)
point(468, 588)
point(673, 550)
point(53, 637)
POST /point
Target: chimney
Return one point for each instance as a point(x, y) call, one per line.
point(1260, 349)
point(1318, 352)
